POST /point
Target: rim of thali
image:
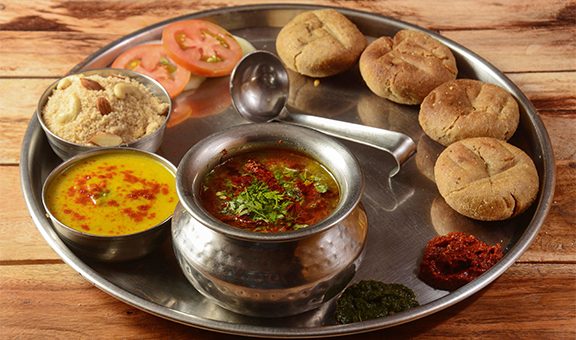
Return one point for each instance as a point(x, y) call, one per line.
point(33, 133)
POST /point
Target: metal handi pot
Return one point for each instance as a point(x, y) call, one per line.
point(269, 274)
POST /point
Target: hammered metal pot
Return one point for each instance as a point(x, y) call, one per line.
point(269, 274)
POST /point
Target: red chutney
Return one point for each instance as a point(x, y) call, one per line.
point(115, 193)
point(450, 261)
point(270, 190)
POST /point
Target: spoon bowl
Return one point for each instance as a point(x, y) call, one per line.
point(259, 88)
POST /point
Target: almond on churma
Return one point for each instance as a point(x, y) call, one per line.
point(82, 109)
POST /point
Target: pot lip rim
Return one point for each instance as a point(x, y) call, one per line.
point(345, 207)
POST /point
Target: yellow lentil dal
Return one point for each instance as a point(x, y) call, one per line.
point(112, 194)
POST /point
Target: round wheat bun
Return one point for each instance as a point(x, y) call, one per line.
point(404, 69)
point(320, 43)
point(486, 178)
point(466, 108)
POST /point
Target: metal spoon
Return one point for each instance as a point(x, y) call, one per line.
point(259, 87)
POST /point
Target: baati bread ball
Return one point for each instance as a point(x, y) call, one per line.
point(404, 69)
point(486, 178)
point(466, 108)
point(320, 43)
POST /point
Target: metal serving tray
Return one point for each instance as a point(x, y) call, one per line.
point(404, 212)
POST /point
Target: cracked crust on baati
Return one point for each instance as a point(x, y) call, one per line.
point(404, 69)
point(486, 178)
point(320, 43)
point(466, 108)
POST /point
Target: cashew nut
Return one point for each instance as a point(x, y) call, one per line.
point(123, 89)
point(70, 111)
point(63, 83)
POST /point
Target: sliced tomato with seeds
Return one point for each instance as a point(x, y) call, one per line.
point(202, 47)
point(152, 60)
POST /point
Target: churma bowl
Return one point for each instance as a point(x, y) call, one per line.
point(148, 142)
point(269, 274)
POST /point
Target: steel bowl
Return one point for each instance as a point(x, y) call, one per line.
point(269, 274)
point(108, 248)
point(151, 142)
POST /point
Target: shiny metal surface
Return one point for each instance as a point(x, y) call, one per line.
point(261, 74)
point(401, 211)
point(65, 149)
point(269, 274)
point(108, 248)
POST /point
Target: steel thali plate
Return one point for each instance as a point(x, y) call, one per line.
point(404, 212)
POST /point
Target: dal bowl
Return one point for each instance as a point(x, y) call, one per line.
point(111, 204)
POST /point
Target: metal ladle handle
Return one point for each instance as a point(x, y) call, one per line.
point(399, 145)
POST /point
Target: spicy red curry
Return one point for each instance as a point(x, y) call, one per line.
point(270, 190)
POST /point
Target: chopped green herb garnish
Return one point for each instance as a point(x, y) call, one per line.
point(257, 201)
point(320, 187)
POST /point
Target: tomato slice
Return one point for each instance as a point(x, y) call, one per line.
point(152, 60)
point(202, 47)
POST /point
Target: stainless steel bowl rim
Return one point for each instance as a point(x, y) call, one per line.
point(349, 199)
